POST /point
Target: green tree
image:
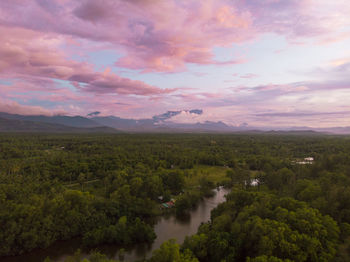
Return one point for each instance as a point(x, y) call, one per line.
point(169, 251)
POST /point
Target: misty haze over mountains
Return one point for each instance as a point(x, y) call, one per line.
point(158, 123)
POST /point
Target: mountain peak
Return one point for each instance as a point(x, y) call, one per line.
point(170, 114)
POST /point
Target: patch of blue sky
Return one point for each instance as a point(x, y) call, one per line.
point(274, 60)
point(271, 58)
point(102, 59)
point(65, 84)
point(43, 103)
point(5, 82)
point(99, 59)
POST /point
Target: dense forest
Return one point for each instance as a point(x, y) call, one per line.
point(106, 189)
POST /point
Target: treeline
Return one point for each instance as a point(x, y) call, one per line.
point(35, 212)
point(106, 188)
point(102, 188)
point(30, 218)
point(258, 226)
point(297, 212)
point(66, 157)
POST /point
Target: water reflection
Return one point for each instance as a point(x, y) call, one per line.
point(167, 227)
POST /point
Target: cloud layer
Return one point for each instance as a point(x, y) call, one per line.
point(166, 35)
point(45, 66)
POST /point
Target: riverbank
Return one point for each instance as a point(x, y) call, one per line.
point(167, 227)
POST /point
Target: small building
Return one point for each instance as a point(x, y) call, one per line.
point(254, 182)
point(306, 161)
point(170, 204)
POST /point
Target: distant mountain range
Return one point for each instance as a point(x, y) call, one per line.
point(11, 125)
point(94, 123)
point(72, 121)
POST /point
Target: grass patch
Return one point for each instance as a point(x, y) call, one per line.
point(215, 174)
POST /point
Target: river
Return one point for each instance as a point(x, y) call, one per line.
point(167, 227)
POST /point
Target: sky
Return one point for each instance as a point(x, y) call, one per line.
point(244, 62)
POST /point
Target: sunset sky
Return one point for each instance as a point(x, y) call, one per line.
point(260, 62)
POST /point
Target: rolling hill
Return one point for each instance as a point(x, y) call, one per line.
point(11, 125)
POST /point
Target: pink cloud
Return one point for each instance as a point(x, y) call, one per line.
point(16, 108)
point(337, 73)
point(249, 76)
point(188, 117)
point(164, 36)
point(334, 38)
point(42, 40)
point(29, 53)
